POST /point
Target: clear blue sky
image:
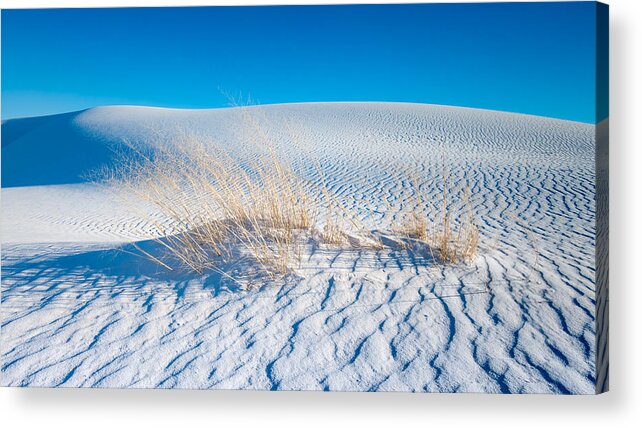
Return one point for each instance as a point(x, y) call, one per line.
point(536, 58)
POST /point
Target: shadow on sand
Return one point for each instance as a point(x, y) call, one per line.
point(131, 268)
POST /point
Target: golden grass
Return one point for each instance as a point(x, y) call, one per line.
point(452, 233)
point(208, 206)
point(211, 208)
point(455, 241)
point(333, 234)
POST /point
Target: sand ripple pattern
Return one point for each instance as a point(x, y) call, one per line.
point(79, 309)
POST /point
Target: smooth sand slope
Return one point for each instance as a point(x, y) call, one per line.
point(82, 307)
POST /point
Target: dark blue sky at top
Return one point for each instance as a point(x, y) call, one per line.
point(535, 58)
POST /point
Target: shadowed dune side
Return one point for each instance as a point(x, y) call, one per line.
point(50, 150)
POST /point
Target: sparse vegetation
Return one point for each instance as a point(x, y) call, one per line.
point(451, 240)
point(211, 208)
point(212, 205)
point(455, 243)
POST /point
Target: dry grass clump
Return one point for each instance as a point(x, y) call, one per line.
point(452, 233)
point(455, 241)
point(333, 234)
point(211, 209)
point(413, 225)
point(213, 206)
point(456, 244)
point(414, 221)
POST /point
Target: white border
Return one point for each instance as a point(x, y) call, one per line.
point(620, 407)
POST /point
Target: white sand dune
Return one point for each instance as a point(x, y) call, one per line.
point(81, 307)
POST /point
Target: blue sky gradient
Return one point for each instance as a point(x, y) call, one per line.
point(535, 58)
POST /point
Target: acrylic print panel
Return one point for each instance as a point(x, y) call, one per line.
point(343, 198)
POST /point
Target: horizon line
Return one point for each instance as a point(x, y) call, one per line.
point(594, 123)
